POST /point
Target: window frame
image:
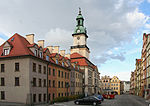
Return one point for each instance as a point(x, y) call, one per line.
point(17, 82)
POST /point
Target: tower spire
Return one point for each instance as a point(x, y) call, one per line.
point(79, 11)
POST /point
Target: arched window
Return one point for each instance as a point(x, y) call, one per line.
point(78, 22)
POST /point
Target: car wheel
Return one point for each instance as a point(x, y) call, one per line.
point(94, 103)
point(77, 102)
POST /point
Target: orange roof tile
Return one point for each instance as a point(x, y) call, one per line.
point(81, 62)
point(75, 55)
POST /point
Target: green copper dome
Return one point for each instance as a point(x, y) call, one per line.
point(80, 25)
point(79, 16)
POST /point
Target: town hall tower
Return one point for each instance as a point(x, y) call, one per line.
point(80, 38)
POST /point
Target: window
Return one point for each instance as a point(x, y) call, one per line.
point(44, 97)
point(6, 51)
point(65, 94)
point(65, 74)
point(49, 96)
point(62, 94)
point(35, 52)
point(78, 22)
point(62, 74)
point(47, 58)
point(34, 67)
point(44, 69)
point(2, 81)
point(34, 98)
point(53, 95)
point(2, 67)
point(39, 68)
point(53, 83)
point(62, 84)
point(62, 63)
point(49, 71)
point(58, 94)
point(2, 95)
point(40, 82)
point(40, 97)
point(49, 83)
point(58, 73)
point(34, 82)
point(58, 84)
point(41, 55)
point(56, 61)
point(16, 81)
point(16, 66)
point(68, 75)
point(53, 72)
point(44, 82)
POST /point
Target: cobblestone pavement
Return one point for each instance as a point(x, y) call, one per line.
point(121, 100)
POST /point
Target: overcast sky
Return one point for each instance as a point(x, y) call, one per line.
point(114, 27)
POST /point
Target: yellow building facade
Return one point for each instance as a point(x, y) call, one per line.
point(115, 84)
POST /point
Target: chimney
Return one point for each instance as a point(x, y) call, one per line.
point(56, 49)
point(62, 52)
point(30, 38)
point(67, 55)
point(50, 48)
point(41, 43)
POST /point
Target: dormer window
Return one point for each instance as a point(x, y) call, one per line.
point(74, 66)
point(35, 52)
point(62, 63)
point(56, 61)
point(47, 58)
point(68, 63)
point(41, 55)
point(6, 51)
point(78, 67)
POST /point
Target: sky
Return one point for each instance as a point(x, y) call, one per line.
point(115, 28)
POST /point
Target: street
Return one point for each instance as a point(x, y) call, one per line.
point(120, 100)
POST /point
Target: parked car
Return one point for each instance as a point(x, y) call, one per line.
point(88, 100)
point(99, 96)
point(109, 94)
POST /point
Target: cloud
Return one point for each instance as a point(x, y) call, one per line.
point(110, 23)
point(148, 1)
point(123, 76)
point(58, 37)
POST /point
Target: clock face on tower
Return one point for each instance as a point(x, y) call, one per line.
point(78, 31)
point(78, 37)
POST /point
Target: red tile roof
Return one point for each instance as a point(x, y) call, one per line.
point(53, 54)
point(81, 62)
point(19, 46)
point(75, 55)
point(45, 49)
